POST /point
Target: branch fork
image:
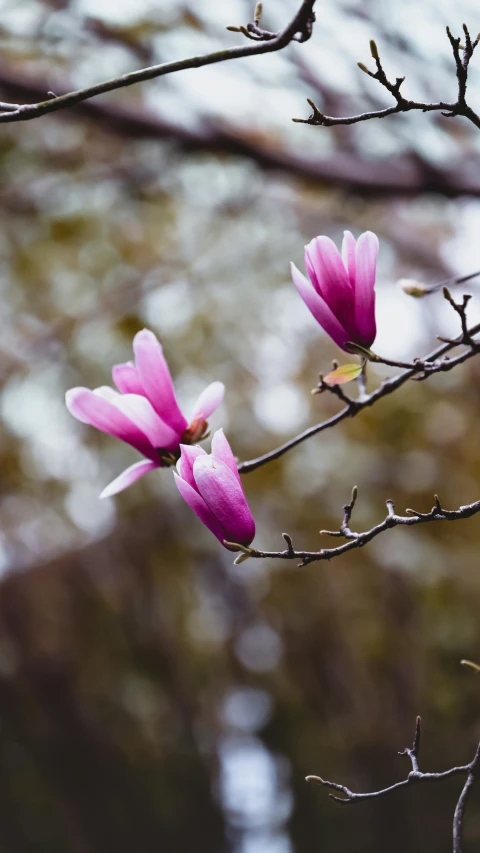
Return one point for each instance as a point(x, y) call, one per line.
point(354, 539)
point(471, 770)
point(462, 55)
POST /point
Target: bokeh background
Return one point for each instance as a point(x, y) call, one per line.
point(153, 696)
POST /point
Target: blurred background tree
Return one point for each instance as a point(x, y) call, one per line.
point(153, 695)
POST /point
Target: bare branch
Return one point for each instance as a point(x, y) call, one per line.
point(461, 55)
point(344, 529)
point(473, 773)
point(358, 540)
point(419, 289)
point(404, 177)
point(471, 770)
point(299, 29)
point(420, 369)
point(461, 310)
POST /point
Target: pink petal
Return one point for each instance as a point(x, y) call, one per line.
point(129, 476)
point(366, 262)
point(200, 508)
point(319, 308)
point(106, 393)
point(224, 496)
point(208, 401)
point(348, 256)
point(185, 464)
point(156, 380)
point(126, 378)
point(142, 413)
point(323, 259)
point(93, 409)
point(222, 450)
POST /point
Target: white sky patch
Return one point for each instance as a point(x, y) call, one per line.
point(281, 408)
point(87, 511)
point(462, 251)
point(114, 11)
point(169, 309)
point(249, 785)
point(21, 18)
point(275, 360)
point(400, 323)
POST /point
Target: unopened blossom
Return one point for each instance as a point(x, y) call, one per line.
point(144, 411)
point(412, 287)
point(210, 484)
point(339, 290)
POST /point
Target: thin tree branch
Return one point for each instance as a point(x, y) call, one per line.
point(358, 540)
point(471, 770)
point(419, 369)
point(418, 289)
point(299, 29)
point(473, 773)
point(407, 176)
point(462, 55)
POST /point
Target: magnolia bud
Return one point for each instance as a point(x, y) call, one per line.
point(412, 287)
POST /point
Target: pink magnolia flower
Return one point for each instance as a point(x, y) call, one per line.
point(144, 411)
point(210, 484)
point(339, 290)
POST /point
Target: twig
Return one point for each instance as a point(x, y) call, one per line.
point(419, 289)
point(403, 177)
point(462, 56)
point(471, 770)
point(419, 369)
point(473, 773)
point(299, 29)
point(457, 279)
point(358, 540)
point(461, 310)
point(344, 529)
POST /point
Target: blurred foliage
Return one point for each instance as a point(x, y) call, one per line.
point(153, 695)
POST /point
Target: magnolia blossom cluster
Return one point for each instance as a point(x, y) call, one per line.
point(144, 411)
